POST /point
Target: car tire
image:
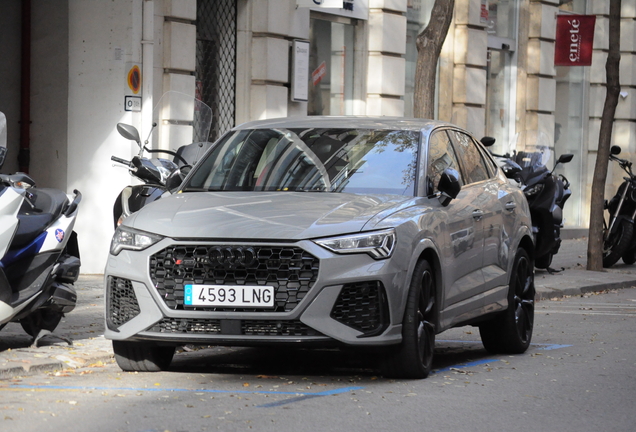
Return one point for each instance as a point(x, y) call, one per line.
point(511, 331)
point(413, 358)
point(142, 357)
point(618, 243)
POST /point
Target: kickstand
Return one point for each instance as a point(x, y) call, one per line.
point(554, 271)
point(43, 333)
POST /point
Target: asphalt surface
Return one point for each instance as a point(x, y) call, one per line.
point(84, 326)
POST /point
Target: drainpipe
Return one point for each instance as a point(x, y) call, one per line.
point(24, 155)
point(147, 66)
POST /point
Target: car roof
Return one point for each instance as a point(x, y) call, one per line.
point(362, 122)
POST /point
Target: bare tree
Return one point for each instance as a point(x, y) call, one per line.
point(595, 243)
point(429, 45)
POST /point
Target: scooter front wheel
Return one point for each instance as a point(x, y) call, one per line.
point(41, 319)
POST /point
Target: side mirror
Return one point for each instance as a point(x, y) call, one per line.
point(615, 150)
point(449, 186)
point(129, 132)
point(565, 158)
point(3, 138)
point(487, 141)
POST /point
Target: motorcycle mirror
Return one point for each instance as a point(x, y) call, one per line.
point(565, 158)
point(129, 132)
point(3, 138)
point(615, 150)
point(487, 141)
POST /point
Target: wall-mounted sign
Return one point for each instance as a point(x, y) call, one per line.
point(132, 103)
point(133, 78)
point(574, 40)
point(358, 9)
point(300, 71)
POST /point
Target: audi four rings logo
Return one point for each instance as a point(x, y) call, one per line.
point(233, 256)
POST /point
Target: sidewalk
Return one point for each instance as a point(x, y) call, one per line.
point(85, 325)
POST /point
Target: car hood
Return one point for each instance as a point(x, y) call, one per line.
point(261, 215)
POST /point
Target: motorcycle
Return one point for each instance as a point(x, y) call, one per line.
point(160, 175)
point(545, 191)
point(39, 254)
point(618, 230)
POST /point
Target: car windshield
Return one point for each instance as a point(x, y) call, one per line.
point(360, 161)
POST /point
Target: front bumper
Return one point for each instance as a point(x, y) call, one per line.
point(350, 299)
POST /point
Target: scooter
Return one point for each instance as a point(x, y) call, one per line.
point(618, 230)
point(545, 191)
point(159, 175)
point(39, 254)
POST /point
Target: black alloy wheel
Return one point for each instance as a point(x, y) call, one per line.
point(511, 331)
point(413, 358)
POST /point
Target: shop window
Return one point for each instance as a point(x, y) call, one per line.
point(331, 62)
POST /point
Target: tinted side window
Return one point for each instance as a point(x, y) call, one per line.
point(471, 159)
point(492, 166)
point(440, 156)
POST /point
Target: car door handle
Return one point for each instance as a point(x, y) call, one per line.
point(511, 206)
point(478, 214)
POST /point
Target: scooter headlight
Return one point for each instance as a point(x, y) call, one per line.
point(533, 190)
point(131, 239)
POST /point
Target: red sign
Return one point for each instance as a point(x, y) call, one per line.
point(574, 40)
point(319, 73)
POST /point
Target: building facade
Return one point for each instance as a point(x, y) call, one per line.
point(76, 68)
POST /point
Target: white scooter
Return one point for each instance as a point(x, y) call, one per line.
point(39, 256)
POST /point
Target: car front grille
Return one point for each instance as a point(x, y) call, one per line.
point(121, 302)
point(291, 270)
point(243, 327)
point(362, 306)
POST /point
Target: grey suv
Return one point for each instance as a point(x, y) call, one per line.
point(363, 232)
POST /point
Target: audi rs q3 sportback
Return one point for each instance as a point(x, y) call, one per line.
point(362, 232)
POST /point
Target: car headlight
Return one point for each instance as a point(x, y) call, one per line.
point(131, 239)
point(533, 190)
point(378, 244)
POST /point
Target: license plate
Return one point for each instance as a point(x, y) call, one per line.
point(229, 296)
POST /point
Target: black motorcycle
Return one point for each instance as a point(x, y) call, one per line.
point(545, 191)
point(161, 175)
point(618, 230)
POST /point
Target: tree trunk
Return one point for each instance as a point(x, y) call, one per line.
point(595, 242)
point(429, 45)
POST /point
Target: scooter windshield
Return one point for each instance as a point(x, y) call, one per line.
point(531, 149)
point(180, 119)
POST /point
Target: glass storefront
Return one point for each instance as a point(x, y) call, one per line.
point(569, 125)
point(331, 66)
point(502, 32)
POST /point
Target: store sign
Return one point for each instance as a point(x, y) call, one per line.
point(574, 40)
point(319, 73)
point(358, 9)
point(300, 71)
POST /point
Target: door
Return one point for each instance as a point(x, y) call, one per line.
point(461, 242)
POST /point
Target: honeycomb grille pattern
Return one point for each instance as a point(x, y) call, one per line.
point(361, 306)
point(290, 270)
point(277, 328)
point(179, 325)
point(248, 327)
point(121, 300)
point(216, 62)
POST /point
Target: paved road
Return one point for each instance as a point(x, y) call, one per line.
point(85, 324)
point(579, 375)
